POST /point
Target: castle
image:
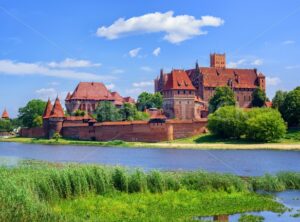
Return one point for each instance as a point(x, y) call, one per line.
point(186, 93)
point(87, 96)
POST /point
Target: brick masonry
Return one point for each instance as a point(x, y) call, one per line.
point(141, 131)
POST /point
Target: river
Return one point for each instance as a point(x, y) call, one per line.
point(240, 162)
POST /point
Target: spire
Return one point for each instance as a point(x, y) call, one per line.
point(68, 96)
point(47, 111)
point(57, 110)
point(5, 114)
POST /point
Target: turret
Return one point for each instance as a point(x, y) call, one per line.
point(56, 119)
point(46, 116)
point(5, 114)
point(261, 79)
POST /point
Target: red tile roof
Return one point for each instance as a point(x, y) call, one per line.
point(268, 104)
point(156, 113)
point(216, 77)
point(178, 79)
point(128, 100)
point(118, 99)
point(68, 96)
point(91, 91)
point(48, 109)
point(5, 114)
point(57, 110)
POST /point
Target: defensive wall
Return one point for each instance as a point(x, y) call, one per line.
point(142, 131)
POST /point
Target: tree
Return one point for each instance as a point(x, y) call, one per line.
point(5, 125)
point(130, 112)
point(227, 122)
point(224, 96)
point(38, 121)
point(259, 98)
point(107, 111)
point(32, 110)
point(265, 125)
point(291, 108)
point(278, 99)
point(148, 100)
point(79, 112)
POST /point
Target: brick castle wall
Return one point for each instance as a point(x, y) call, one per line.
point(132, 131)
point(37, 132)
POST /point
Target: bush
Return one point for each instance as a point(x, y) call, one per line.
point(265, 125)
point(258, 124)
point(227, 122)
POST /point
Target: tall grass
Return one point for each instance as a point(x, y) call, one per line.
point(26, 191)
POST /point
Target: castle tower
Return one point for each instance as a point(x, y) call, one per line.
point(261, 79)
point(179, 96)
point(5, 114)
point(218, 60)
point(56, 118)
point(46, 116)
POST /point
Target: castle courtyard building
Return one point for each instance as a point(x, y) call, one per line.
point(205, 80)
point(87, 96)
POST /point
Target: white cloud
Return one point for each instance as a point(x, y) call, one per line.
point(118, 71)
point(110, 86)
point(156, 51)
point(73, 63)
point(146, 69)
point(293, 67)
point(54, 83)
point(257, 62)
point(50, 93)
point(236, 64)
point(143, 84)
point(10, 67)
point(288, 42)
point(176, 28)
point(272, 81)
point(134, 52)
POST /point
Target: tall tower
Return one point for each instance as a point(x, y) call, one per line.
point(218, 60)
point(56, 119)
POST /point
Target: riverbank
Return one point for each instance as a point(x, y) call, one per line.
point(36, 191)
point(207, 141)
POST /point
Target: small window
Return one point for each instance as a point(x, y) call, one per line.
point(178, 92)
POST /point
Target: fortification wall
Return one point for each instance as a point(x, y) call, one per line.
point(135, 131)
point(37, 132)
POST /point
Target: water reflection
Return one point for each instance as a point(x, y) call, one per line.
point(290, 199)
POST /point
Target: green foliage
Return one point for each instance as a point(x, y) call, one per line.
point(224, 96)
point(5, 125)
point(155, 182)
point(130, 112)
point(137, 182)
point(38, 121)
point(56, 136)
point(265, 125)
point(120, 180)
point(79, 112)
point(257, 124)
point(259, 98)
point(227, 122)
point(278, 100)
point(32, 110)
point(291, 108)
point(107, 111)
point(251, 218)
point(148, 100)
point(27, 192)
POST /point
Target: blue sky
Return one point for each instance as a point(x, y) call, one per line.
point(47, 47)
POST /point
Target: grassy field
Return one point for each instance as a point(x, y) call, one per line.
point(182, 205)
point(38, 191)
point(291, 141)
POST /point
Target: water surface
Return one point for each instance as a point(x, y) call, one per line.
point(240, 162)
